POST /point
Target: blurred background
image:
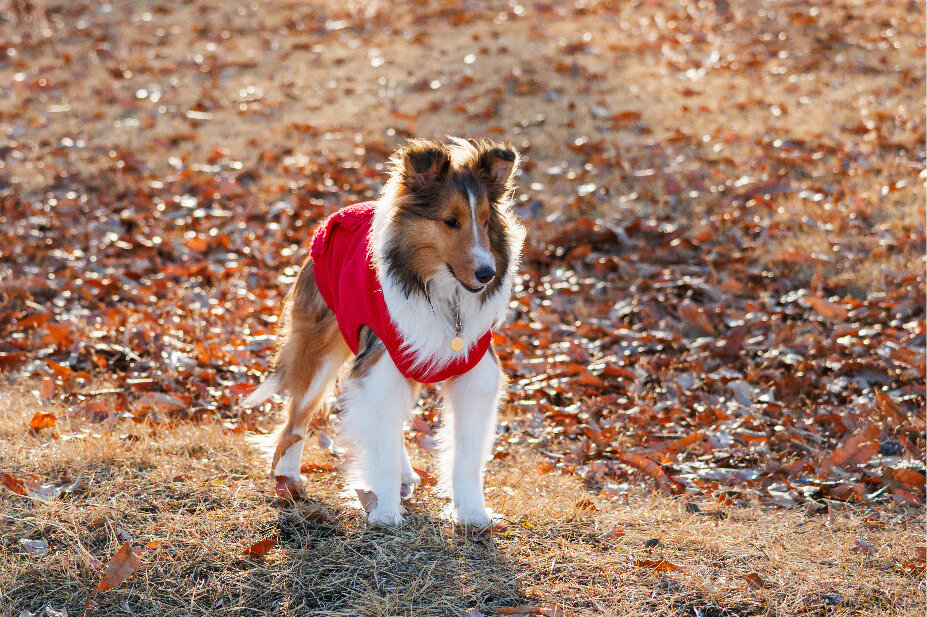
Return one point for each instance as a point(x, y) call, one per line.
point(618, 106)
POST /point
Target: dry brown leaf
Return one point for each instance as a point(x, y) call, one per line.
point(530, 609)
point(755, 581)
point(42, 420)
point(684, 442)
point(914, 567)
point(13, 483)
point(696, 317)
point(586, 504)
point(857, 449)
point(889, 407)
point(427, 478)
point(317, 467)
point(260, 548)
point(368, 500)
point(647, 467)
point(126, 561)
point(660, 565)
point(826, 308)
point(29, 486)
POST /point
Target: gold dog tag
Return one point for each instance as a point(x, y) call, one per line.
point(457, 343)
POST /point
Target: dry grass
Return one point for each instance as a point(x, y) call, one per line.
point(204, 493)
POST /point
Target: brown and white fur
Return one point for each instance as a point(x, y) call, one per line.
point(443, 233)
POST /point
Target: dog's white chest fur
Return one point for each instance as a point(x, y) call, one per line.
point(427, 324)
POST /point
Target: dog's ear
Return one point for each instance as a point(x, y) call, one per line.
point(423, 164)
point(496, 165)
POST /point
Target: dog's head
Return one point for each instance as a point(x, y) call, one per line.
point(451, 213)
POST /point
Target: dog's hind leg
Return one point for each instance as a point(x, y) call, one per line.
point(310, 353)
point(303, 404)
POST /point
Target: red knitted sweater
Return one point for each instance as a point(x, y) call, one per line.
point(347, 280)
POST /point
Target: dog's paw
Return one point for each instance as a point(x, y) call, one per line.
point(385, 517)
point(474, 517)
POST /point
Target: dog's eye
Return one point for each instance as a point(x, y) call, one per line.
point(452, 223)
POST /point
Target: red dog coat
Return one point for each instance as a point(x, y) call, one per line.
point(348, 282)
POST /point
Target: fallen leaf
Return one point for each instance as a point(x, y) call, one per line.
point(648, 467)
point(126, 561)
point(317, 467)
point(857, 449)
point(28, 486)
point(35, 548)
point(660, 565)
point(827, 308)
point(260, 548)
point(914, 567)
point(695, 316)
point(755, 581)
point(911, 479)
point(427, 478)
point(13, 483)
point(42, 420)
point(368, 500)
point(524, 609)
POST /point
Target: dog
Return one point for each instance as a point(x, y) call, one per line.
point(408, 289)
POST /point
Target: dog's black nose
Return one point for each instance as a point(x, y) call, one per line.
point(485, 274)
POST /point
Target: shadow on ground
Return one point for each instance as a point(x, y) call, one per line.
point(427, 566)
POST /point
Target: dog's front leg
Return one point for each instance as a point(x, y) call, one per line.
point(472, 399)
point(376, 401)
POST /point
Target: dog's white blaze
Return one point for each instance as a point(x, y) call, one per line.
point(476, 227)
point(467, 436)
point(375, 407)
point(482, 256)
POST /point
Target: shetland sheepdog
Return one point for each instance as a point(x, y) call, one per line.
point(405, 290)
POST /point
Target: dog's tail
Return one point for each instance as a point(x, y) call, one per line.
point(267, 389)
